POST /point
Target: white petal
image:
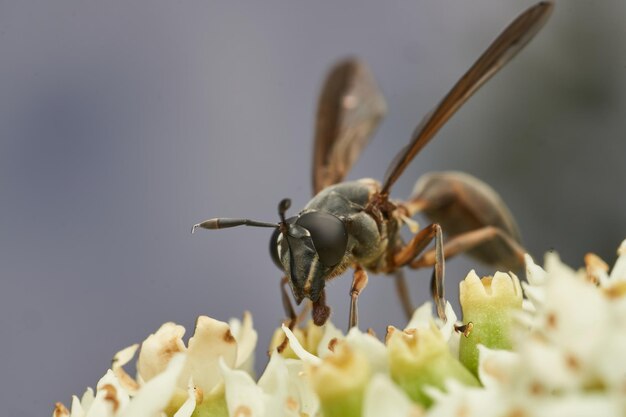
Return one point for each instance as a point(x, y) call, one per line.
point(422, 316)
point(243, 396)
point(77, 408)
point(555, 267)
point(371, 347)
point(453, 343)
point(547, 366)
point(497, 368)
point(87, 399)
point(525, 320)
point(330, 332)
point(246, 338)
point(111, 379)
point(447, 328)
point(579, 406)
point(158, 349)
point(467, 402)
point(104, 404)
point(527, 305)
point(300, 388)
point(110, 397)
point(153, 397)
point(577, 317)
point(535, 274)
point(283, 395)
point(211, 340)
point(274, 379)
point(536, 295)
point(297, 348)
point(435, 394)
point(186, 410)
point(120, 359)
point(618, 273)
point(610, 363)
point(383, 398)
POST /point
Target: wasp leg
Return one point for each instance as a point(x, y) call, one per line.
point(359, 281)
point(469, 240)
point(414, 248)
point(290, 312)
point(417, 244)
point(403, 293)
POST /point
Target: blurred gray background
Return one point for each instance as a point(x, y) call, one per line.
point(122, 123)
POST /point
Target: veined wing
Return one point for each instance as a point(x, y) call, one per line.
point(349, 110)
point(500, 52)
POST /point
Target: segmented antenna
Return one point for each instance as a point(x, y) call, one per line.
point(225, 222)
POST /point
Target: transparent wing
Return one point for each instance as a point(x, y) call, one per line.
point(349, 110)
point(500, 52)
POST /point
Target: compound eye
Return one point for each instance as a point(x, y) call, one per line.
point(274, 249)
point(329, 236)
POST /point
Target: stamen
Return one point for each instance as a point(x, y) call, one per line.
point(466, 329)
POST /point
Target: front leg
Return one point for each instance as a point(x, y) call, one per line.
point(292, 318)
point(359, 282)
point(290, 312)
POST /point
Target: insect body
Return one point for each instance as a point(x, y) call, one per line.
point(356, 225)
point(341, 234)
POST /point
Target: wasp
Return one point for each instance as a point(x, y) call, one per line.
point(355, 224)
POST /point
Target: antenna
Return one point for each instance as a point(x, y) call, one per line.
point(225, 223)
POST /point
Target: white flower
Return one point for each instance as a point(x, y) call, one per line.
point(423, 317)
point(314, 339)
point(212, 340)
point(577, 328)
point(467, 402)
point(111, 399)
point(565, 357)
point(281, 391)
point(384, 398)
point(498, 369)
point(182, 376)
point(373, 349)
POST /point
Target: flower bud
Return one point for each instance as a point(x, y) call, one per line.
point(488, 304)
point(340, 381)
point(420, 358)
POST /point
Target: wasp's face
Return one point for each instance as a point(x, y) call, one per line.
point(308, 248)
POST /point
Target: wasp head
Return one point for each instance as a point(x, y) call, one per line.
point(309, 247)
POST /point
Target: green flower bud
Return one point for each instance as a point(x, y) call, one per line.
point(488, 304)
point(340, 382)
point(211, 407)
point(421, 358)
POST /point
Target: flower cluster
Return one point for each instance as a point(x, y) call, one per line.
point(552, 345)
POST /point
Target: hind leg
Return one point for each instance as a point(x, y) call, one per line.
point(470, 240)
point(472, 211)
point(403, 293)
point(414, 248)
